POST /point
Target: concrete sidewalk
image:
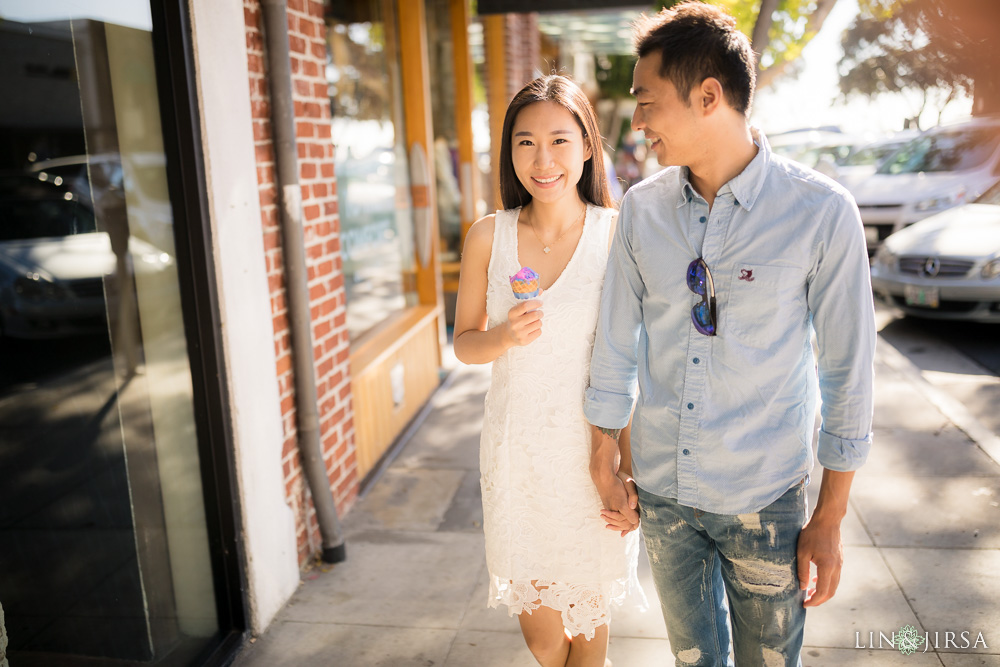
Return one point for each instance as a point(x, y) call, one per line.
point(922, 546)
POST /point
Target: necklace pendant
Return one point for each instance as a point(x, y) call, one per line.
point(546, 250)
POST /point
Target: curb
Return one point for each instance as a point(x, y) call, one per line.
point(953, 409)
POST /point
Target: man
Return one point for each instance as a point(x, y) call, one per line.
point(722, 267)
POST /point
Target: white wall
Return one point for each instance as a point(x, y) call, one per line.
point(227, 132)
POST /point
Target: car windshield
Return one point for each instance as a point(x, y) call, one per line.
point(949, 150)
point(869, 155)
point(991, 196)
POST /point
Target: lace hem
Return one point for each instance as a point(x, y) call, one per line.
point(583, 607)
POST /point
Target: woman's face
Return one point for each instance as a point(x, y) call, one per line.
point(548, 151)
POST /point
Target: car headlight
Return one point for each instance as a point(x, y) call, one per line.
point(36, 288)
point(941, 202)
point(991, 269)
point(885, 259)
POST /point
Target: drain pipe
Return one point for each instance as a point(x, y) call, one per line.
point(296, 277)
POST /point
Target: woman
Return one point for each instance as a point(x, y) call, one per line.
point(551, 559)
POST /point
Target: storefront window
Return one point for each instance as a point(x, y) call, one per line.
point(370, 161)
point(104, 547)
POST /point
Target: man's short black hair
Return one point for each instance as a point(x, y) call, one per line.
point(697, 41)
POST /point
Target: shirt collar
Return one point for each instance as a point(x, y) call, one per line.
point(746, 186)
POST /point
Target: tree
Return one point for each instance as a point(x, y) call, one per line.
point(778, 30)
point(938, 48)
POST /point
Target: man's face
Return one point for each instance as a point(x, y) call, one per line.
point(668, 121)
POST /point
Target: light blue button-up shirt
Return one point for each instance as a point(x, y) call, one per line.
point(725, 423)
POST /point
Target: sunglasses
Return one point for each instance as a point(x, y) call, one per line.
point(699, 280)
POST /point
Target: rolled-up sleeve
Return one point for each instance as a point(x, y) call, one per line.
point(613, 369)
point(843, 312)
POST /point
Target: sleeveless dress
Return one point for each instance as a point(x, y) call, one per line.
point(541, 510)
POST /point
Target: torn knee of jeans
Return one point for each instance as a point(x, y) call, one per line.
point(688, 656)
point(763, 577)
point(772, 657)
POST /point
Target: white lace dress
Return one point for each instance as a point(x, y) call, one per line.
point(541, 510)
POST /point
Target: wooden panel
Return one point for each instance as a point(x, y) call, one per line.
point(495, 35)
point(468, 171)
point(414, 68)
point(407, 347)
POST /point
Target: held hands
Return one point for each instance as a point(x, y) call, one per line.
point(524, 322)
point(618, 494)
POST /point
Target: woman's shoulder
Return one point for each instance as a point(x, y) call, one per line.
point(480, 235)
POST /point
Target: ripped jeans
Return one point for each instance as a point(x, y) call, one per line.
point(706, 565)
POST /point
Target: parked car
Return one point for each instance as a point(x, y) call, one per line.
point(821, 149)
point(947, 266)
point(944, 167)
point(865, 159)
point(54, 262)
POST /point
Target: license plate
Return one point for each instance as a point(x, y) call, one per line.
point(926, 297)
point(871, 235)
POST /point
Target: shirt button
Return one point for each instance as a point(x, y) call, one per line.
point(702, 219)
point(690, 406)
point(696, 360)
point(686, 452)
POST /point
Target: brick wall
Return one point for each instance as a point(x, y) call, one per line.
point(307, 33)
point(523, 49)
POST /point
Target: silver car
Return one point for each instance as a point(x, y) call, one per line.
point(944, 167)
point(946, 266)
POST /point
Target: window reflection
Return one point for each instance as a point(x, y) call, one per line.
point(104, 547)
point(370, 162)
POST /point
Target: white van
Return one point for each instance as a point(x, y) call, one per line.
point(944, 167)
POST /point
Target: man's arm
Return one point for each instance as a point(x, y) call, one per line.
point(841, 303)
point(614, 366)
point(820, 541)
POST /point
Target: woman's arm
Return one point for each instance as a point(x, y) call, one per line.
point(474, 342)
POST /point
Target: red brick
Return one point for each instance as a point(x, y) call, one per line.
point(307, 170)
point(283, 365)
point(255, 63)
point(310, 68)
point(263, 153)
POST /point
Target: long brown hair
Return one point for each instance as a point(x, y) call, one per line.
point(593, 184)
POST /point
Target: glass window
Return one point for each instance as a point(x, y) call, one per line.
point(370, 162)
point(104, 546)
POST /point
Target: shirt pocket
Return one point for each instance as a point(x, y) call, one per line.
point(763, 302)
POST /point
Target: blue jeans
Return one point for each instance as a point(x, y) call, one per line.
point(707, 565)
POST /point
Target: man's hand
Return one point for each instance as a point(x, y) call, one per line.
point(820, 543)
point(615, 519)
point(619, 497)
